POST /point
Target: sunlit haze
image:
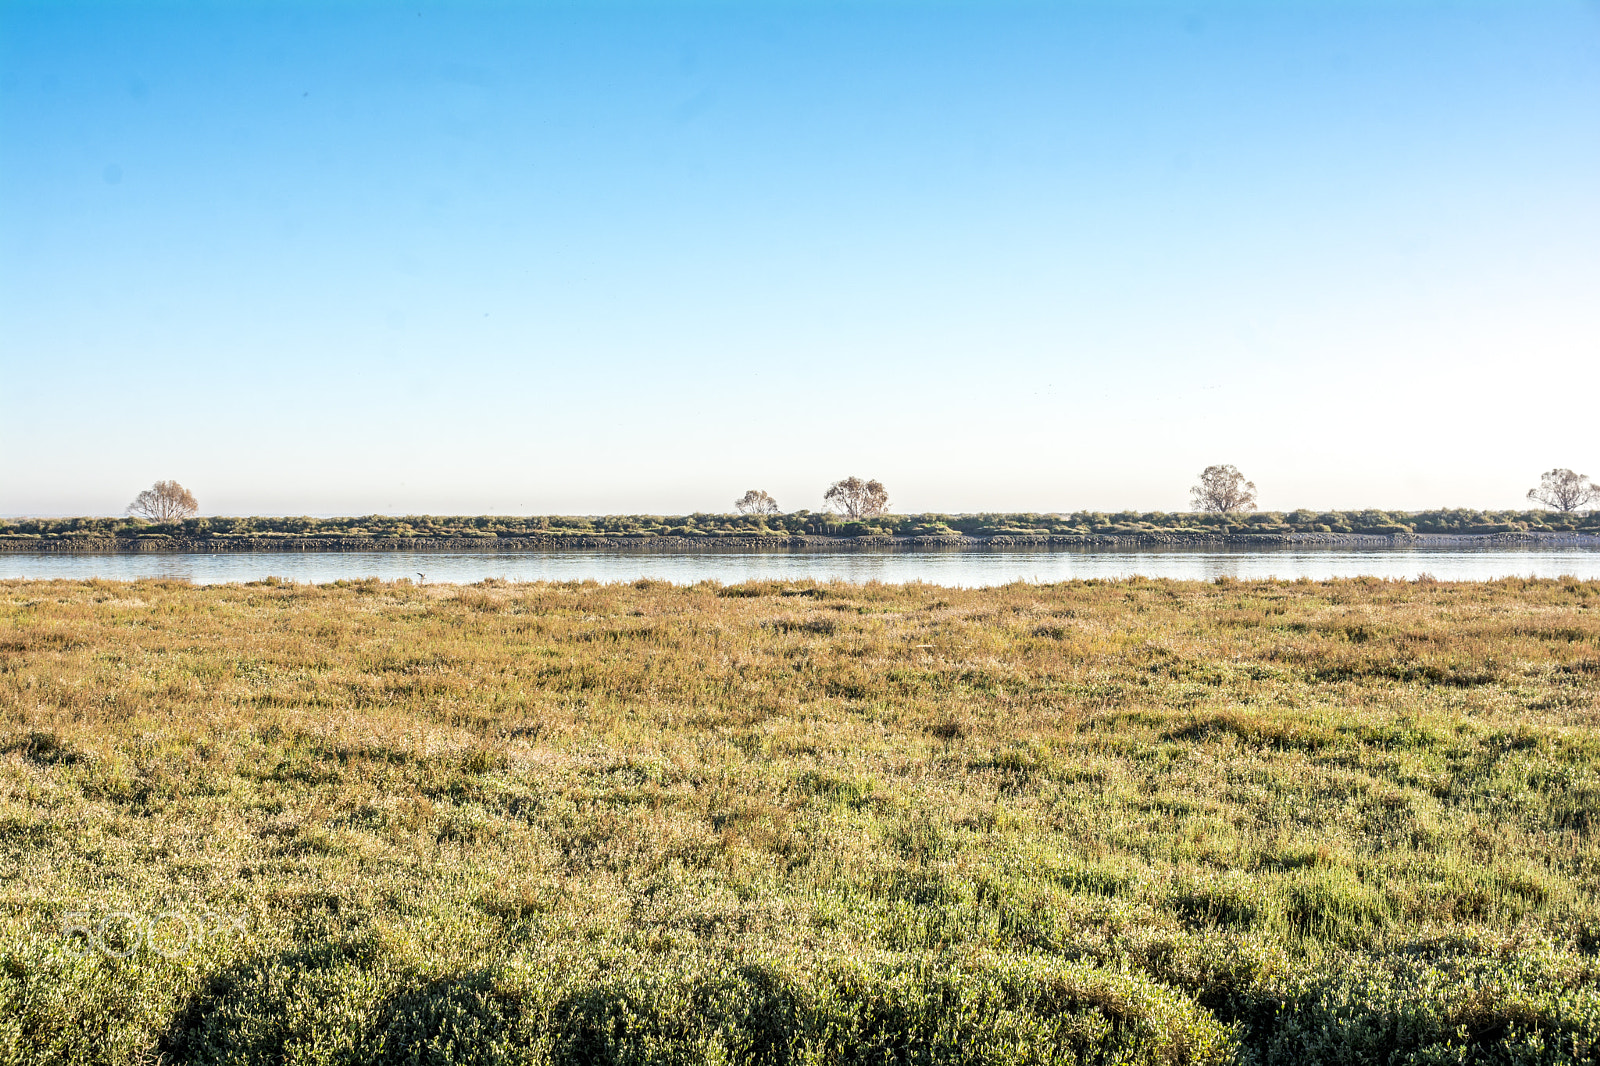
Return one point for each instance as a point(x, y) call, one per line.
point(641, 257)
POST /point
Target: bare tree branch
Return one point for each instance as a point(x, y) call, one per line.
point(1223, 489)
point(165, 501)
point(1562, 490)
point(855, 498)
point(756, 501)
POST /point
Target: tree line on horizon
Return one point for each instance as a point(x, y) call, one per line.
point(1222, 489)
point(1222, 498)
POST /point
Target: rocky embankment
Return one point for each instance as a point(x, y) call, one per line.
point(229, 544)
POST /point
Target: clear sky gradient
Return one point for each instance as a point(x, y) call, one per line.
point(584, 258)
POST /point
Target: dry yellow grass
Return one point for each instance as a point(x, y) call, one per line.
point(1135, 821)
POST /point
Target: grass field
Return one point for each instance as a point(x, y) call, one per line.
point(1120, 822)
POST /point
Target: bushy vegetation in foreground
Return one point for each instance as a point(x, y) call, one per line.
point(1132, 822)
point(1082, 523)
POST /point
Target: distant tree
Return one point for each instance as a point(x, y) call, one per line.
point(855, 498)
point(756, 501)
point(1562, 490)
point(1223, 489)
point(165, 501)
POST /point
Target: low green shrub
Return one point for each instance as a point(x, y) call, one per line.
point(805, 522)
point(343, 1005)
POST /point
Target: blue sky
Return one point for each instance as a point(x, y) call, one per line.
point(344, 258)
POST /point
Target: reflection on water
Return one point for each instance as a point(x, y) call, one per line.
point(967, 568)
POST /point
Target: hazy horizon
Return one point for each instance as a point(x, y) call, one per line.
point(1525, 506)
point(357, 258)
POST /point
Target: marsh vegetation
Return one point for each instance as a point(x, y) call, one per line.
point(23, 533)
point(1133, 822)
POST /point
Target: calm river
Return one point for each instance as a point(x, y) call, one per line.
point(955, 568)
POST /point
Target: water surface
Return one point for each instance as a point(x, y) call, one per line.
point(953, 568)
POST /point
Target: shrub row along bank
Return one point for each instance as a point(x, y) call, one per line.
point(1140, 822)
point(804, 523)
